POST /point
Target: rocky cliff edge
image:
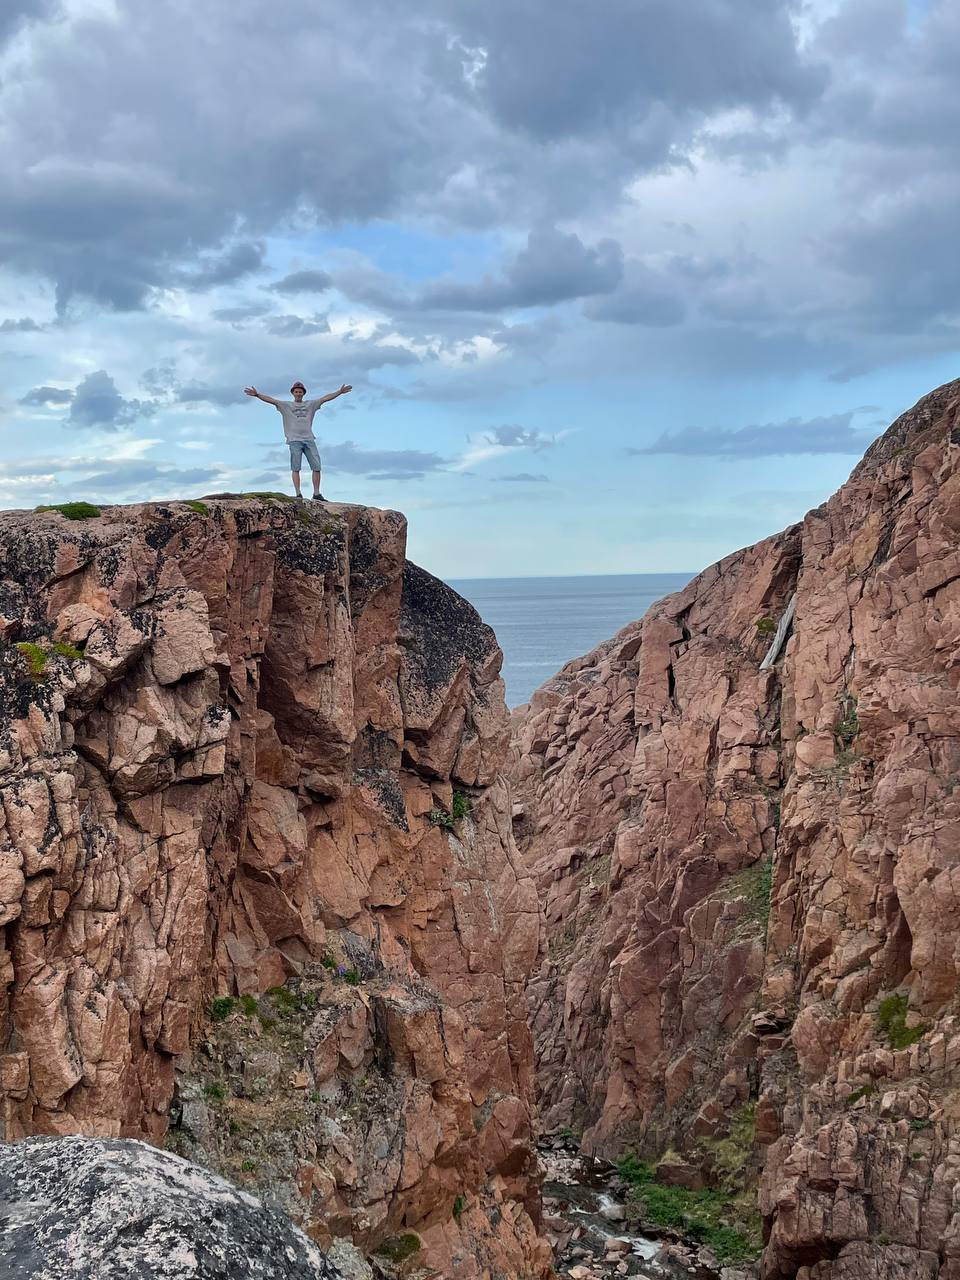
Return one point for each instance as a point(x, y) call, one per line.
point(749, 859)
point(259, 895)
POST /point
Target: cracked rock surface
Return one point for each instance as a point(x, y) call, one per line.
point(231, 737)
point(95, 1209)
point(751, 877)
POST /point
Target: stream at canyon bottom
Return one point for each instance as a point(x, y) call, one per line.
point(589, 1223)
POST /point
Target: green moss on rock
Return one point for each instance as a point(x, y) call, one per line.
point(72, 510)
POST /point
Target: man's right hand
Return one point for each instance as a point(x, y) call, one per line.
point(251, 391)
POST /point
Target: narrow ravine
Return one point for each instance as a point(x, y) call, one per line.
point(596, 1234)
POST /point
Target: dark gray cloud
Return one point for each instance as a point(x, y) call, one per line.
point(15, 13)
point(97, 403)
point(831, 434)
point(380, 464)
point(23, 325)
point(497, 118)
point(644, 298)
point(119, 476)
point(236, 262)
point(553, 267)
point(297, 326)
point(235, 315)
point(116, 185)
point(303, 282)
point(575, 68)
point(524, 477)
point(513, 436)
point(102, 477)
point(48, 396)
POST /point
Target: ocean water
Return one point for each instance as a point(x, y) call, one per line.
point(542, 623)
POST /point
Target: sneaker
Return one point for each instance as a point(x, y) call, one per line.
point(318, 497)
point(298, 497)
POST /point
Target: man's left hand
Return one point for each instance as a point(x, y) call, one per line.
point(344, 389)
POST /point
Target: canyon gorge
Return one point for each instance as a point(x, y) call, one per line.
point(286, 891)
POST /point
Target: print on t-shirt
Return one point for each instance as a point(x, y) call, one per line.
point(298, 418)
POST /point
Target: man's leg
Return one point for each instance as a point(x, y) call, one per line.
point(296, 457)
point(312, 454)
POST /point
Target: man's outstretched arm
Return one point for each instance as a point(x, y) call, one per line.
point(333, 394)
point(252, 391)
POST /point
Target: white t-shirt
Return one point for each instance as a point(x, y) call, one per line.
point(298, 418)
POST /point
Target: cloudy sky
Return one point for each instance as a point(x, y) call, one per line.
point(619, 287)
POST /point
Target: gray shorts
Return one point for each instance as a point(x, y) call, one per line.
point(304, 449)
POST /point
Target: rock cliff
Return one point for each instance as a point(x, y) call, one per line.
point(260, 898)
point(750, 871)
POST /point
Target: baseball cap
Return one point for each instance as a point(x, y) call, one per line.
point(298, 384)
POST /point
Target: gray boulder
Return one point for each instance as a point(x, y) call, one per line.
point(102, 1209)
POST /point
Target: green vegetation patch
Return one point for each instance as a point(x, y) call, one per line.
point(221, 1008)
point(196, 505)
point(892, 1021)
point(399, 1248)
point(278, 497)
point(73, 510)
point(284, 999)
point(36, 657)
point(849, 726)
point(67, 650)
point(214, 1092)
point(729, 1225)
point(732, 1154)
point(458, 1207)
point(861, 1091)
point(249, 1005)
point(766, 626)
point(460, 806)
point(755, 883)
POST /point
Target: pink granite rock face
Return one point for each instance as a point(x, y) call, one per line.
point(249, 721)
point(664, 781)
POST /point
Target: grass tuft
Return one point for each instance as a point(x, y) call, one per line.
point(399, 1248)
point(766, 626)
point(849, 724)
point(755, 883)
point(284, 1000)
point(67, 650)
point(196, 505)
point(460, 806)
point(36, 656)
point(728, 1225)
point(72, 510)
point(221, 1008)
point(892, 1021)
point(861, 1091)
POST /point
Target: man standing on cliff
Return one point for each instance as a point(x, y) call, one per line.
point(298, 415)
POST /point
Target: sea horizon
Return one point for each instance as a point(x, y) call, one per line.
point(543, 621)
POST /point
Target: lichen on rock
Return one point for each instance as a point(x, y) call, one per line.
point(94, 1209)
